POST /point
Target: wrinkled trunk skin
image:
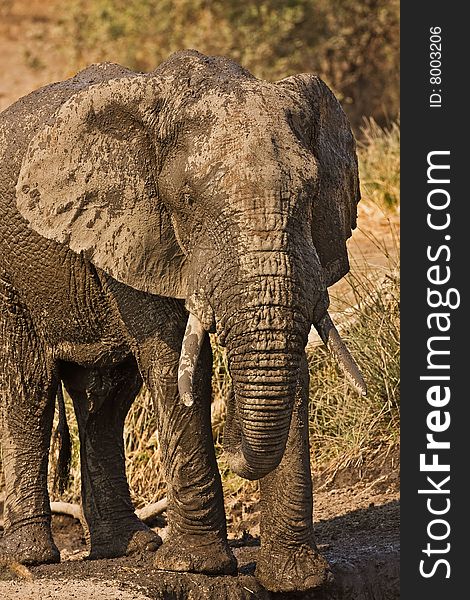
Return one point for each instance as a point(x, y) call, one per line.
point(264, 383)
point(265, 345)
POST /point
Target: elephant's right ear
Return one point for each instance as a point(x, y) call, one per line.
point(88, 180)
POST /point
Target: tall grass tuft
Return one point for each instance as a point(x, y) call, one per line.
point(379, 163)
point(344, 427)
point(143, 460)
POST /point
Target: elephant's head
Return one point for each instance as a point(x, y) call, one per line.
point(199, 181)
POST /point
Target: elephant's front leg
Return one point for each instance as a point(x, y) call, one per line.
point(288, 559)
point(197, 538)
point(27, 393)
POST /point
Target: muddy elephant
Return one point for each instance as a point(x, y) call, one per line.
point(140, 211)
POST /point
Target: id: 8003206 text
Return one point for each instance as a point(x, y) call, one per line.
point(435, 67)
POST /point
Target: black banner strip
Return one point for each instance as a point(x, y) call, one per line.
point(435, 327)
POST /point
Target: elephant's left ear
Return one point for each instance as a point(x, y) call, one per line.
point(319, 120)
point(88, 180)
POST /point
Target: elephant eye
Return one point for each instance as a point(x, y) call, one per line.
point(188, 199)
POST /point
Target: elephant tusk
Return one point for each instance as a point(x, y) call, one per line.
point(190, 349)
point(332, 340)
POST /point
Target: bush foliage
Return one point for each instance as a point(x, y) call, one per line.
point(353, 45)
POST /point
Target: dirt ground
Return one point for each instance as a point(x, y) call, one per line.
point(357, 529)
point(357, 518)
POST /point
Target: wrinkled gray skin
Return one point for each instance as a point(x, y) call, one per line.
point(128, 199)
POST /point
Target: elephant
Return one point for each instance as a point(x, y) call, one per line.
point(141, 212)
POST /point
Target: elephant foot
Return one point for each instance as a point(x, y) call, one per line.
point(121, 541)
point(144, 539)
point(281, 569)
point(30, 544)
point(206, 553)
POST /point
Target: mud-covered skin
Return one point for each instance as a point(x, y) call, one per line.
point(102, 398)
point(126, 200)
point(30, 544)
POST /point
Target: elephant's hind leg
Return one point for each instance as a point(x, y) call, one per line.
point(27, 397)
point(102, 398)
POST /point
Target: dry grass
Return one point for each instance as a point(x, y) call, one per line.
point(344, 426)
point(143, 463)
point(379, 163)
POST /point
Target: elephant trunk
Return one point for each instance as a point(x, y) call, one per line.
point(264, 321)
point(265, 367)
point(260, 407)
point(265, 376)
